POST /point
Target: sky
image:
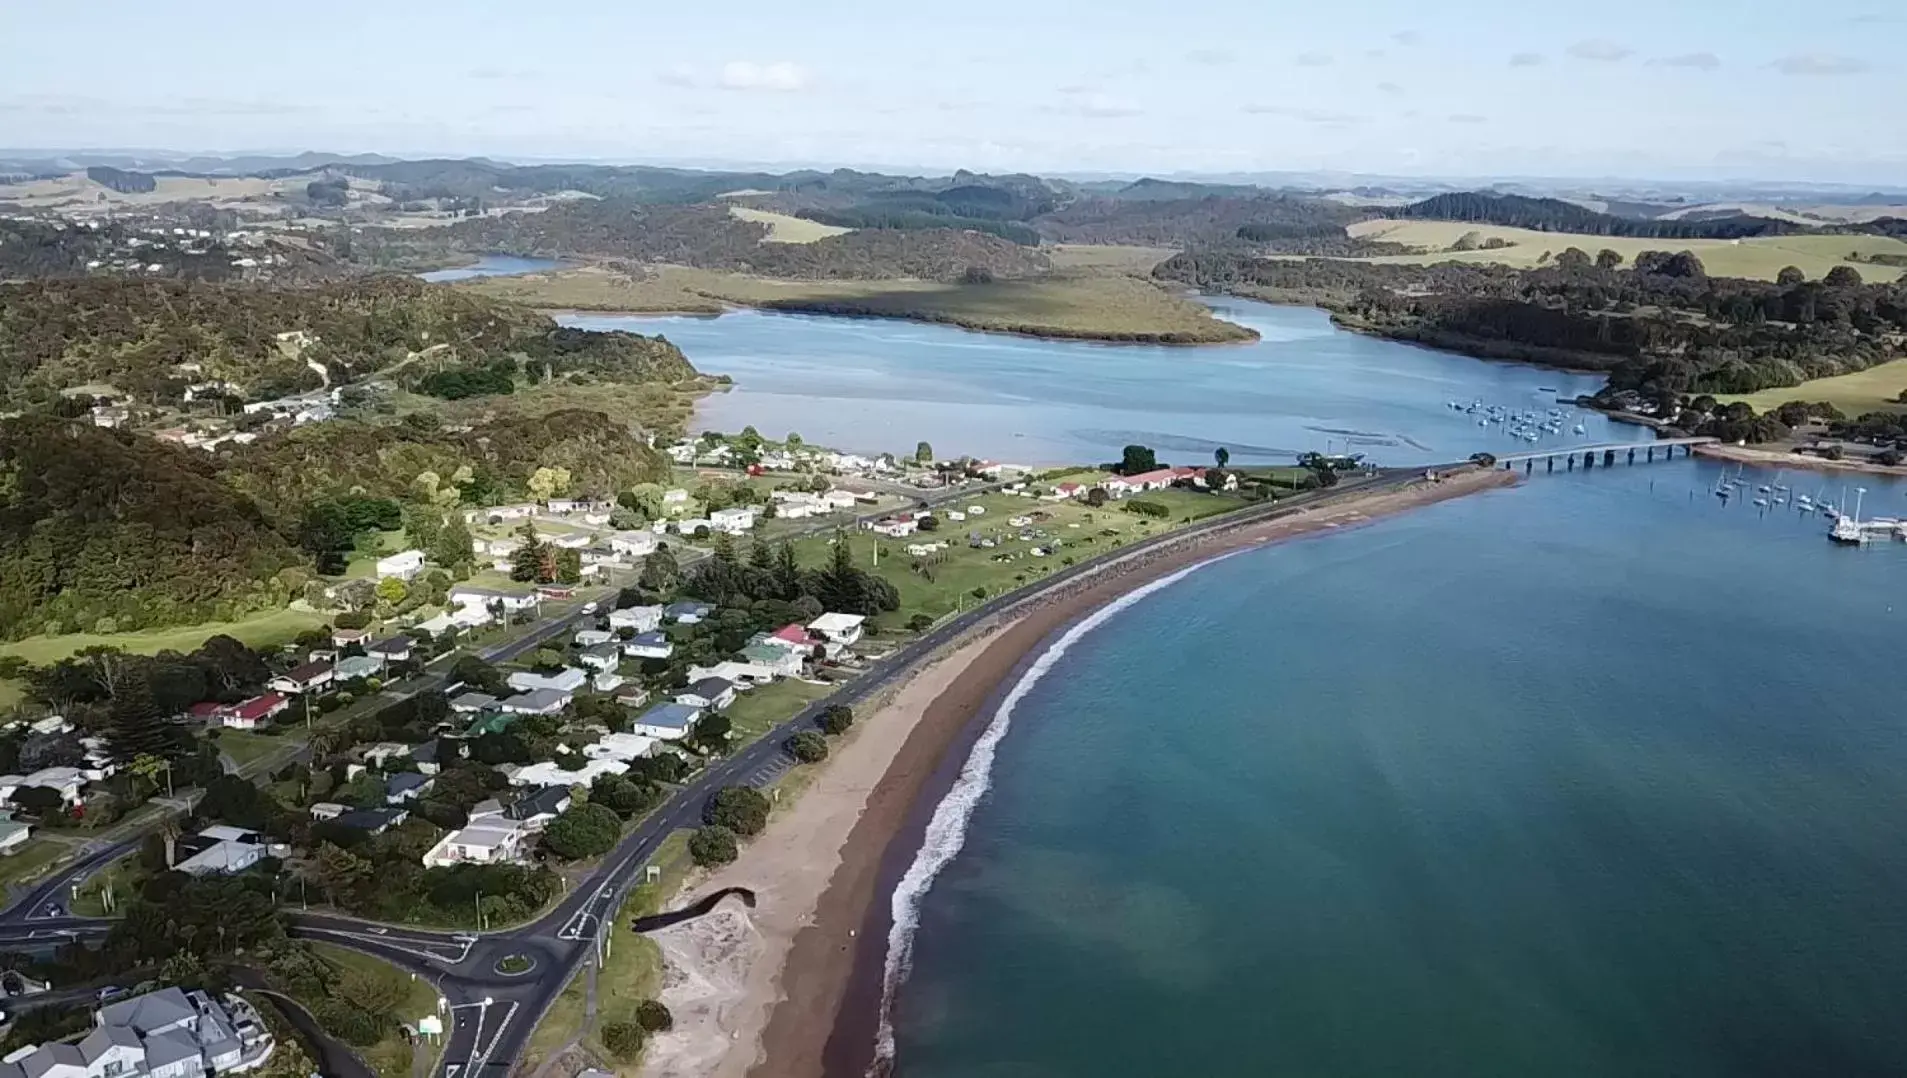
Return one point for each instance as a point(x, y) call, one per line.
point(1669, 89)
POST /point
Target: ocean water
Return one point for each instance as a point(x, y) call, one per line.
point(492, 266)
point(1596, 776)
point(870, 385)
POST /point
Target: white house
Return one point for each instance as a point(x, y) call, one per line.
point(666, 722)
point(13, 835)
point(691, 525)
point(713, 694)
point(894, 527)
point(675, 496)
point(567, 540)
point(742, 674)
point(496, 514)
point(601, 658)
point(536, 702)
point(634, 544)
point(569, 679)
point(488, 840)
point(396, 649)
point(311, 677)
point(165, 1034)
point(839, 629)
point(403, 565)
point(642, 619)
point(225, 851)
point(733, 521)
point(381, 754)
point(466, 596)
point(548, 773)
point(624, 747)
point(589, 638)
point(650, 645)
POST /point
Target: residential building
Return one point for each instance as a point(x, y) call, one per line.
point(465, 595)
point(735, 521)
point(355, 668)
point(841, 629)
point(13, 835)
point(675, 496)
point(344, 638)
point(406, 786)
point(569, 679)
point(327, 810)
point(537, 702)
point(244, 715)
point(666, 722)
point(534, 811)
point(490, 840)
point(431, 756)
point(165, 1034)
point(632, 695)
point(67, 780)
point(375, 821)
point(566, 540)
point(712, 693)
point(624, 747)
point(396, 649)
point(497, 514)
point(381, 754)
point(589, 638)
point(219, 851)
point(783, 661)
point(642, 619)
point(688, 612)
point(494, 722)
point(601, 658)
point(794, 638)
point(308, 678)
point(607, 681)
point(648, 646)
point(894, 527)
point(470, 703)
point(744, 675)
point(549, 773)
point(403, 565)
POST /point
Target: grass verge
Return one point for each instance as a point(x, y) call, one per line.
point(415, 998)
point(761, 709)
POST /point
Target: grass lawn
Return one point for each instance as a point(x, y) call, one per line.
point(122, 879)
point(760, 709)
point(12, 694)
point(390, 1057)
point(946, 580)
point(264, 630)
point(631, 973)
point(1758, 258)
point(245, 747)
point(1106, 257)
point(784, 228)
point(1871, 390)
point(33, 860)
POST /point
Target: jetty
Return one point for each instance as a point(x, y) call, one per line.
point(1664, 448)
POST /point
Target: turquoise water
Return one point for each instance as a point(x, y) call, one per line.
point(876, 386)
point(492, 266)
point(1593, 777)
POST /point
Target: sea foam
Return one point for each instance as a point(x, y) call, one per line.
point(947, 830)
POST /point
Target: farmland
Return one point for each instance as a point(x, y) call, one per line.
point(1876, 389)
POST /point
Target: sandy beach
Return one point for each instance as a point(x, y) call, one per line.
point(1779, 458)
point(791, 988)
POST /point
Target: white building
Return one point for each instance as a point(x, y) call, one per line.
point(624, 747)
point(736, 521)
point(569, 679)
point(643, 619)
point(229, 850)
point(634, 544)
point(487, 840)
point(165, 1034)
point(843, 630)
point(403, 565)
point(481, 598)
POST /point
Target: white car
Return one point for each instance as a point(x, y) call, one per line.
point(589, 608)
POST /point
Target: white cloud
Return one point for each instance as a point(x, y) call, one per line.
point(1210, 57)
point(1390, 88)
point(781, 76)
point(1526, 59)
point(1091, 104)
point(1600, 49)
point(1310, 116)
point(1313, 59)
point(1468, 118)
point(1407, 37)
point(678, 75)
point(1701, 61)
point(1819, 63)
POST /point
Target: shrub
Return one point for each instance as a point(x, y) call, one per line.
point(624, 1040)
point(920, 623)
point(741, 809)
point(585, 830)
point(713, 845)
point(654, 1017)
point(808, 747)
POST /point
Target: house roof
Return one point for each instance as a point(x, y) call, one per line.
point(676, 610)
point(549, 800)
point(494, 722)
point(537, 700)
point(669, 716)
point(223, 833)
point(205, 709)
point(221, 856)
point(308, 671)
point(711, 687)
point(428, 752)
point(357, 666)
point(105, 1038)
point(405, 780)
point(490, 832)
point(259, 706)
point(836, 623)
point(396, 645)
point(154, 1010)
point(475, 701)
point(766, 653)
point(602, 651)
point(792, 634)
point(172, 1046)
point(370, 819)
point(648, 640)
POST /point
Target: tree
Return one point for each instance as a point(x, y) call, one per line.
point(569, 567)
point(653, 1015)
point(660, 574)
point(1842, 277)
point(741, 809)
point(1221, 456)
point(1137, 459)
point(547, 659)
point(1574, 259)
point(526, 561)
point(923, 453)
point(583, 830)
point(711, 731)
point(623, 797)
point(1096, 497)
point(393, 591)
point(547, 483)
point(713, 845)
point(453, 545)
point(1607, 259)
point(836, 718)
point(479, 675)
point(623, 1040)
point(38, 800)
point(136, 725)
point(808, 746)
point(1790, 276)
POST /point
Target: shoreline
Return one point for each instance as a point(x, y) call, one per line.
point(1775, 458)
point(801, 977)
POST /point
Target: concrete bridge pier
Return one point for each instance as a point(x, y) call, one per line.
point(1608, 458)
point(1589, 460)
point(1572, 461)
point(1529, 466)
point(1549, 463)
point(1632, 456)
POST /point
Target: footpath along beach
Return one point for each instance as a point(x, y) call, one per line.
point(799, 979)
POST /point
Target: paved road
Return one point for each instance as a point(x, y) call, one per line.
point(491, 1013)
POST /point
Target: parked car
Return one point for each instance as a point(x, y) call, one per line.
point(109, 993)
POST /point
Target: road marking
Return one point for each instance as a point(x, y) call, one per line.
point(398, 944)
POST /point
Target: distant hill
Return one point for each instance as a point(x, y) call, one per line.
point(100, 524)
point(709, 237)
point(1151, 190)
point(1556, 215)
point(133, 334)
point(1188, 222)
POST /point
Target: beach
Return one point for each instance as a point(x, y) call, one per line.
point(1776, 458)
point(793, 987)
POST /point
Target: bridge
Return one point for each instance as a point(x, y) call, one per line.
point(1569, 454)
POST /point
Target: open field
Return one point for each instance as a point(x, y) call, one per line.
point(268, 629)
point(244, 746)
point(1106, 257)
point(390, 1057)
point(1872, 390)
point(785, 228)
point(1105, 307)
point(760, 709)
point(1759, 258)
point(77, 193)
point(648, 405)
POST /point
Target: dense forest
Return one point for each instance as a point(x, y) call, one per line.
point(1662, 327)
point(103, 530)
point(1556, 215)
point(1193, 222)
point(117, 179)
point(133, 335)
point(709, 237)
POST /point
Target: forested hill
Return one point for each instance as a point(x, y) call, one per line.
point(99, 524)
point(1556, 215)
point(709, 237)
point(487, 464)
point(1194, 222)
point(135, 336)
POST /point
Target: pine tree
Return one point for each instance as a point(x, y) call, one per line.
point(136, 726)
point(452, 545)
point(526, 563)
point(787, 572)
